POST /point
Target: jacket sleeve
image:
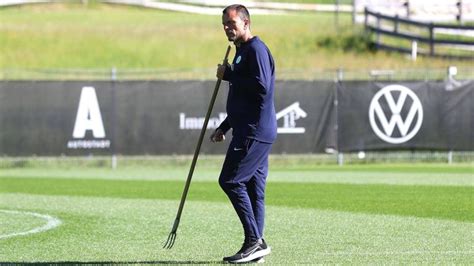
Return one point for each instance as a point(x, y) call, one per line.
point(225, 125)
point(227, 73)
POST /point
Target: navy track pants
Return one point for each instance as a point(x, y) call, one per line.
point(243, 178)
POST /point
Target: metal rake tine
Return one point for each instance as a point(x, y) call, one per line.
point(173, 239)
point(172, 236)
point(167, 241)
point(170, 241)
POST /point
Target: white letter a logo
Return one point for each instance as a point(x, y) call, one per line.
point(88, 115)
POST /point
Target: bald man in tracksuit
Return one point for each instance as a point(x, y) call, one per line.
point(251, 116)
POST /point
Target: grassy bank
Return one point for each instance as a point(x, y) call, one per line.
point(72, 36)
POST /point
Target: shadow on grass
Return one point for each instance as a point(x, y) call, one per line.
point(111, 262)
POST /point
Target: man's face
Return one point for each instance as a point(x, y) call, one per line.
point(234, 26)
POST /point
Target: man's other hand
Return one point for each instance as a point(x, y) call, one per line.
point(218, 136)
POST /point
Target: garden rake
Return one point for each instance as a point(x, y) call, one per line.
point(172, 236)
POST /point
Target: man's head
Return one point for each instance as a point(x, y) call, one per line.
point(236, 22)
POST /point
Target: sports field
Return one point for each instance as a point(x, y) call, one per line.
point(354, 214)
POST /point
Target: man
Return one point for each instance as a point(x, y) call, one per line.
point(251, 115)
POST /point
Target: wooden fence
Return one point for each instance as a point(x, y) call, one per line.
point(463, 42)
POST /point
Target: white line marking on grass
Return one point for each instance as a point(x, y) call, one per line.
point(52, 222)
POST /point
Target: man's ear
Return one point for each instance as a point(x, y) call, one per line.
point(246, 24)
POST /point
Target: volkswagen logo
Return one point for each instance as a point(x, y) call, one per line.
point(405, 114)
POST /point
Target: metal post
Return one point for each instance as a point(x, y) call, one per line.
point(366, 15)
point(337, 14)
point(377, 36)
point(407, 5)
point(451, 82)
point(340, 74)
point(414, 50)
point(340, 155)
point(114, 161)
point(459, 16)
point(450, 157)
point(452, 72)
point(354, 12)
point(114, 155)
point(340, 158)
point(395, 26)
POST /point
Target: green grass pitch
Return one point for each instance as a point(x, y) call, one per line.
point(354, 214)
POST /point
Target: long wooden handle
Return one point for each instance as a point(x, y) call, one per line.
point(198, 146)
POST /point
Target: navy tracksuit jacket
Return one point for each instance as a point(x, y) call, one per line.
point(251, 115)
